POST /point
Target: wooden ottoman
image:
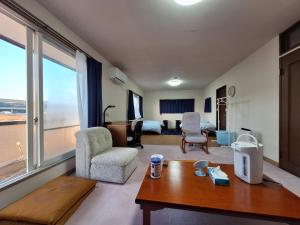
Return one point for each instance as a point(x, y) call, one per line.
point(53, 203)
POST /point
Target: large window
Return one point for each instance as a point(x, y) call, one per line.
point(38, 99)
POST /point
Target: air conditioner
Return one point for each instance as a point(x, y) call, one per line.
point(118, 76)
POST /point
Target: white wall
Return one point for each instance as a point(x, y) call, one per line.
point(256, 104)
point(112, 94)
point(117, 95)
point(151, 104)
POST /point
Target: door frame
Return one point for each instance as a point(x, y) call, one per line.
point(217, 93)
point(284, 132)
point(289, 43)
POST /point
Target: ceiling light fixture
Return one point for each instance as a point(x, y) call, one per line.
point(187, 2)
point(175, 82)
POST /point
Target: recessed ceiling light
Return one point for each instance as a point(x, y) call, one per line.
point(174, 82)
point(187, 2)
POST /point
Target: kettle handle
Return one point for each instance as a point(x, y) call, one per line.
point(248, 135)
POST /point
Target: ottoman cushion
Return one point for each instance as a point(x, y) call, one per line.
point(53, 203)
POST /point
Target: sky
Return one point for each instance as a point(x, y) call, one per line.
point(12, 71)
point(59, 83)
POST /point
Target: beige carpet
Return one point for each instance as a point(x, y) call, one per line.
point(113, 204)
point(170, 140)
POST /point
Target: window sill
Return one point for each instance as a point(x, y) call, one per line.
point(15, 180)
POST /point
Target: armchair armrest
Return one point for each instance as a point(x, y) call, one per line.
point(204, 132)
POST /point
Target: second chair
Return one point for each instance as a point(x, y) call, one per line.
point(134, 139)
point(192, 133)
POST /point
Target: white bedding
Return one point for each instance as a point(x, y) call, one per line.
point(206, 125)
point(152, 125)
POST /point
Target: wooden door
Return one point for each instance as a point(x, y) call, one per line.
point(221, 93)
point(290, 113)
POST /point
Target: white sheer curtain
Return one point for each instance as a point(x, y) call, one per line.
point(81, 69)
point(136, 103)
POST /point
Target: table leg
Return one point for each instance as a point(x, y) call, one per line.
point(146, 216)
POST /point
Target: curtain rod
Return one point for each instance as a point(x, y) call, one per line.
point(40, 24)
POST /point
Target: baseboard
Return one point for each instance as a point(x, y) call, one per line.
point(274, 163)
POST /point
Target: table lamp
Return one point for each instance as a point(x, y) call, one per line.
point(108, 107)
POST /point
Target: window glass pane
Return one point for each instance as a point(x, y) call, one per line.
point(60, 101)
point(13, 95)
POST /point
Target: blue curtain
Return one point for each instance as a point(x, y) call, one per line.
point(207, 105)
point(141, 106)
point(130, 112)
point(176, 105)
point(94, 82)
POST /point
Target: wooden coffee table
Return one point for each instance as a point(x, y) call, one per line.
point(179, 188)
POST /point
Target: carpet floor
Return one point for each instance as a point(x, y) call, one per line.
point(113, 204)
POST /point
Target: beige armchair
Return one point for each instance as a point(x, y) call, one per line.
point(98, 160)
point(192, 133)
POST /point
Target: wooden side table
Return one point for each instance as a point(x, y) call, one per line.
point(119, 132)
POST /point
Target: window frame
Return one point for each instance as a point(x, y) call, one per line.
point(34, 99)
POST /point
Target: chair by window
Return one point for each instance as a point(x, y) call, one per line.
point(192, 133)
point(165, 126)
point(134, 139)
point(178, 124)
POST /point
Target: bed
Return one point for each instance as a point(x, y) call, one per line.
point(206, 125)
point(153, 126)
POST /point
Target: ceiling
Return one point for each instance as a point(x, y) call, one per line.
point(155, 40)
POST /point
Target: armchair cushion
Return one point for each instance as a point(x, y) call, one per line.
point(115, 165)
point(99, 140)
point(196, 139)
point(116, 156)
